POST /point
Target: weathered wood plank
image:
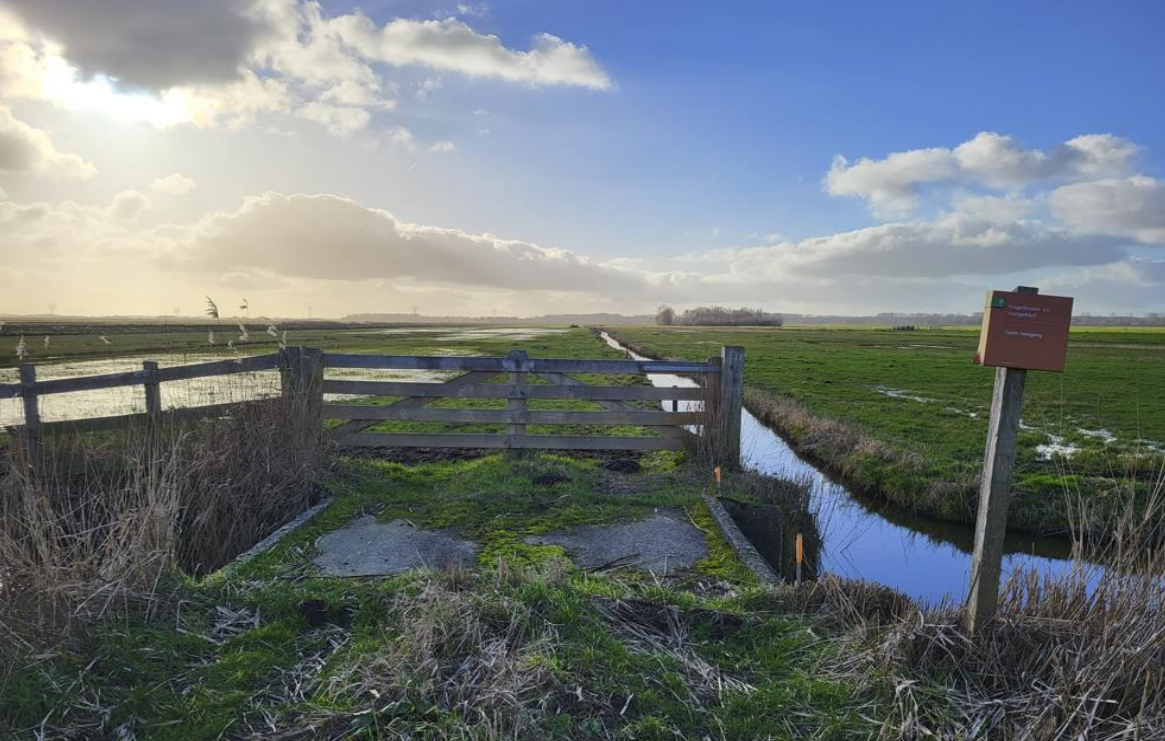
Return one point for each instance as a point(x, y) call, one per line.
point(637, 417)
point(509, 364)
point(527, 442)
point(565, 381)
point(581, 392)
point(516, 405)
point(175, 373)
point(120, 421)
point(416, 402)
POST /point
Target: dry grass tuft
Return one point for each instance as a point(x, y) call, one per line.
point(1079, 655)
point(99, 521)
point(461, 649)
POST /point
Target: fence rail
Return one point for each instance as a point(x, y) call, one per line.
point(523, 379)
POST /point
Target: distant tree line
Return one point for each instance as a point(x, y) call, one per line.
point(718, 316)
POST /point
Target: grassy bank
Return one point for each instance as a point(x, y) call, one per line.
point(526, 645)
point(902, 415)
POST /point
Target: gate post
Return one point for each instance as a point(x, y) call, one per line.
point(730, 403)
point(28, 396)
point(517, 404)
point(153, 391)
point(301, 373)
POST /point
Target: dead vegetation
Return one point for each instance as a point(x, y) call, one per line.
point(98, 520)
point(1079, 655)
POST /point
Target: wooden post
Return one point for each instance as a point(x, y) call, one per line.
point(301, 372)
point(153, 391)
point(31, 412)
point(995, 493)
point(518, 404)
point(730, 404)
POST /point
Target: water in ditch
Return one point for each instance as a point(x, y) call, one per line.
point(923, 558)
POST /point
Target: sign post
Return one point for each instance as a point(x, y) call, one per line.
point(1021, 331)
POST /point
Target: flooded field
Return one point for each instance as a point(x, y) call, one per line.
point(175, 394)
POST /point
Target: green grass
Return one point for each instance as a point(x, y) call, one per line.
point(1115, 382)
point(173, 675)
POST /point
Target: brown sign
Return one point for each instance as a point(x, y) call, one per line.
point(1025, 330)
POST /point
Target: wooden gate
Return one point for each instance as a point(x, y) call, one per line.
point(713, 413)
point(526, 379)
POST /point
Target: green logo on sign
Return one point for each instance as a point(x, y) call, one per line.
point(998, 302)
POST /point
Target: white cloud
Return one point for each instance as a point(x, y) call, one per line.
point(891, 185)
point(27, 149)
point(339, 120)
point(327, 237)
point(130, 205)
point(953, 244)
point(452, 45)
point(1010, 207)
point(399, 136)
point(227, 62)
point(443, 146)
point(1135, 285)
point(155, 44)
point(175, 184)
point(1133, 206)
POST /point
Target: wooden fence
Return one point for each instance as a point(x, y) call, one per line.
point(303, 377)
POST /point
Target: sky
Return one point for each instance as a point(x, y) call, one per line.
point(521, 157)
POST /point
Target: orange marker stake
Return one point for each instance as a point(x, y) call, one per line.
point(800, 556)
point(716, 471)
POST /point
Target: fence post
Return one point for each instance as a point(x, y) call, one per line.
point(995, 494)
point(301, 374)
point(28, 396)
point(517, 404)
point(153, 392)
point(730, 403)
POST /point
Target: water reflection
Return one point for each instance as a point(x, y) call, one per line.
point(923, 558)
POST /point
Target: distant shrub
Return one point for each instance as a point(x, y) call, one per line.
point(719, 316)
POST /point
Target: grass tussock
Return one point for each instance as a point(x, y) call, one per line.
point(1077, 655)
point(96, 520)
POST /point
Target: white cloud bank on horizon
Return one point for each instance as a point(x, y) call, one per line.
point(891, 186)
point(296, 244)
point(230, 62)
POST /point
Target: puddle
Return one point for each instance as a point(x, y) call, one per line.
point(900, 394)
point(454, 334)
point(1102, 434)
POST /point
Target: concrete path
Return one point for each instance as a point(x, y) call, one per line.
point(366, 547)
point(660, 544)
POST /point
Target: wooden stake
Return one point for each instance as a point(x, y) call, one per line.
point(518, 404)
point(153, 390)
point(731, 401)
point(31, 411)
point(995, 493)
point(800, 556)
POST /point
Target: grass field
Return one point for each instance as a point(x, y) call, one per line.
point(917, 394)
point(528, 645)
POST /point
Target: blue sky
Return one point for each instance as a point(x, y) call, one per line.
point(679, 152)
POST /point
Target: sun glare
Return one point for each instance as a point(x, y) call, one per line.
point(61, 84)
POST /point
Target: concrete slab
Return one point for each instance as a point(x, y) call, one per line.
point(366, 547)
point(660, 544)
